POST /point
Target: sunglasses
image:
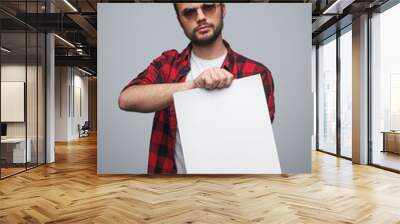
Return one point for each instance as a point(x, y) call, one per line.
point(208, 9)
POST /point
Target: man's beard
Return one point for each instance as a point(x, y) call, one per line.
point(208, 40)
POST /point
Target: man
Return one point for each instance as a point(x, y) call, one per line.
point(207, 62)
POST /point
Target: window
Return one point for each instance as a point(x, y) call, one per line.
point(327, 96)
point(385, 88)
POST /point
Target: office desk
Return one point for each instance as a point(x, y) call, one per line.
point(391, 141)
point(13, 150)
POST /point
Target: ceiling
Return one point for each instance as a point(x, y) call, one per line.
point(76, 22)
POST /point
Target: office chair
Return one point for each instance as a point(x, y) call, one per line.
point(84, 130)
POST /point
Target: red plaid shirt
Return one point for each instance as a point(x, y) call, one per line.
point(173, 67)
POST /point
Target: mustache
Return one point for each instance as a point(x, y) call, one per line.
point(205, 24)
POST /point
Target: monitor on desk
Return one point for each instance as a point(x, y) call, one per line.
point(3, 130)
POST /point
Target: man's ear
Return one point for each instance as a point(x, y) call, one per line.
point(223, 8)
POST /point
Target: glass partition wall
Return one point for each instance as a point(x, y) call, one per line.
point(334, 94)
point(327, 95)
point(22, 88)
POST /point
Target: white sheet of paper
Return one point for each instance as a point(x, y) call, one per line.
point(227, 131)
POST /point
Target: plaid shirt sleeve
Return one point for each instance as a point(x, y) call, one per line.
point(161, 152)
point(268, 83)
point(155, 71)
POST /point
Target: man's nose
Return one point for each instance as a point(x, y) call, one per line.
point(200, 14)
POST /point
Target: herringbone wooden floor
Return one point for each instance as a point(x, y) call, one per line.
point(70, 191)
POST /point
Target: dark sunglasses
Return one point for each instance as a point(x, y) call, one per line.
point(208, 9)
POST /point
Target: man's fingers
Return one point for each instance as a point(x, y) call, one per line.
point(217, 77)
point(214, 78)
point(229, 76)
point(223, 79)
point(208, 82)
point(202, 82)
point(199, 82)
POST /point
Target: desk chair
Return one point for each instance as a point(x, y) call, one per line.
point(84, 130)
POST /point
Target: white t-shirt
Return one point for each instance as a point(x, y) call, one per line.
point(197, 66)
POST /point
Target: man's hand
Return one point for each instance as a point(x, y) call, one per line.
point(214, 78)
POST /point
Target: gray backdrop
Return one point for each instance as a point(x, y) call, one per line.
point(130, 36)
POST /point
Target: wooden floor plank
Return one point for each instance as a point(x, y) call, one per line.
point(70, 191)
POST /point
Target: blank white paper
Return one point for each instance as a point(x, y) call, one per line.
point(227, 131)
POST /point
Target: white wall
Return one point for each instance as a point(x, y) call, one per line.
point(62, 81)
point(70, 83)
